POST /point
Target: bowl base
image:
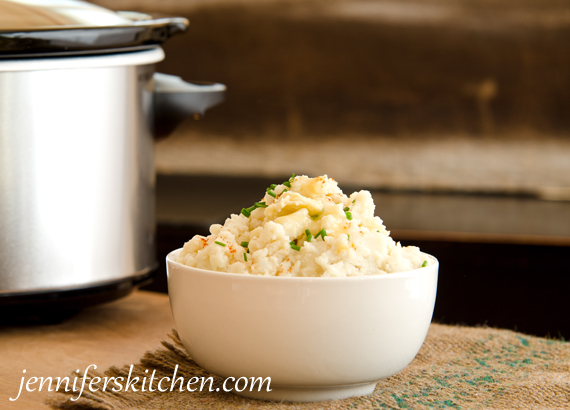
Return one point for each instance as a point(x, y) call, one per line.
point(309, 394)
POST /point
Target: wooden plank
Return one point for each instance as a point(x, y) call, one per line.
point(116, 333)
point(480, 237)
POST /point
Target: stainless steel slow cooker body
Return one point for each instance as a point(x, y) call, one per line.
point(77, 170)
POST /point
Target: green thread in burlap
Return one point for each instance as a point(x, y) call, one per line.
point(457, 368)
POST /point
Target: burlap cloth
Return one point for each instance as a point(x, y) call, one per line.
point(457, 368)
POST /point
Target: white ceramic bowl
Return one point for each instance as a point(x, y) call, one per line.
point(317, 338)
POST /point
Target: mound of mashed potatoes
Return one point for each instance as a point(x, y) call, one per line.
point(303, 227)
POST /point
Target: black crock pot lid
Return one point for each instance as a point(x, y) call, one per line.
point(38, 28)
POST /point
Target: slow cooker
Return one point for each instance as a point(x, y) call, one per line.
point(80, 107)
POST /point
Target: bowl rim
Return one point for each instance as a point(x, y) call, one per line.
point(247, 276)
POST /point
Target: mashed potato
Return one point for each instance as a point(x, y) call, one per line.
point(303, 227)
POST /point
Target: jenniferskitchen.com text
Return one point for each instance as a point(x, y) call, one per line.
point(79, 383)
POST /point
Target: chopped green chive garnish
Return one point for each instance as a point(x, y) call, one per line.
point(219, 243)
point(354, 200)
point(346, 208)
point(309, 236)
point(295, 247)
point(314, 217)
point(348, 215)
point(282, 192)
point(292, 178)
point(247, 211)
point(348, 237)
point(245, 256)
point(270, 192)
point(272, 186)
point(322, 233)
point(424, 264)
point(378, 231)
point(244, 244)
point(287, 184)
